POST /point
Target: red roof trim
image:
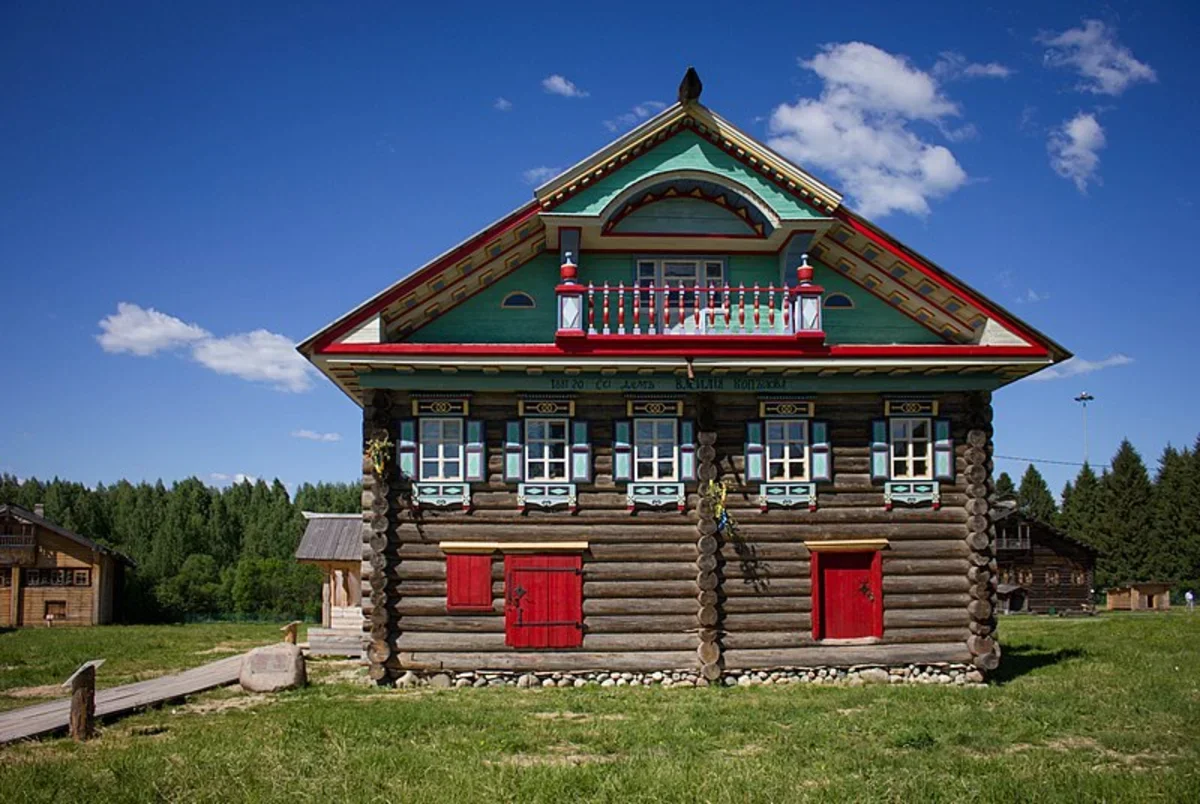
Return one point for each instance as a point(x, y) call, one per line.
point(741, 346)
point(509, 222)
point(935, 274)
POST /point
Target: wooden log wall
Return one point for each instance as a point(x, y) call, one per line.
point(664, 590)
point(981, 534)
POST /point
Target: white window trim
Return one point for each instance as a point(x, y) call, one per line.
point(788, 457)
point(441, 459)
point(545, 462)
point(910, 456)
point(659, 281)
point(674, 476)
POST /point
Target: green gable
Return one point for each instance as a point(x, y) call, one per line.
point(482, 318)
point(684, 151)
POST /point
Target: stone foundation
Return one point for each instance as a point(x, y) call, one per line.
point(952, 674)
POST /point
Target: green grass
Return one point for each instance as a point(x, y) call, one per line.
point(1099, 709)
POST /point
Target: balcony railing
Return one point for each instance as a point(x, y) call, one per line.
point(11, 540)
point(587, 311)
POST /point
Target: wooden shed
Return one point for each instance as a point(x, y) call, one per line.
point(682, 410)
point(1140, 596)
point(51, 576)
point(333, 542)
point(1042, 569)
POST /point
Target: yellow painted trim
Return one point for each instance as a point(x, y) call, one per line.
point(513, 547)
point(845, 545)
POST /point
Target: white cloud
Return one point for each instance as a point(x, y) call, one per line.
point(502, 105)
point(1074, 150)
point(1077, 366)
point(952, 65)
point(1092, 50)
point(859, 129)
point(557, 85)
point(1031, 296)
point(221, 478)
point(259, 356)
point(313, 435)
point(637, 114)
point(540, 174)
point(144, 331)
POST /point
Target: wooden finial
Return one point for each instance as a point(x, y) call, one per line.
point(690, 87)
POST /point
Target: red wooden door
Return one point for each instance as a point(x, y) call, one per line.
point(543, 601)
point(848, 595)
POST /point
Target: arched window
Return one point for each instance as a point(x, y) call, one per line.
point(518, 299)
point(838, 301)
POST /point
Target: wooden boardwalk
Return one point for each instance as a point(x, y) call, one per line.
point(34, 721)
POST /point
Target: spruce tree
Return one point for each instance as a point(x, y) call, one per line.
point(1081, 507)
point(1126, 519)
point(1005, 489)
point(1034, 497)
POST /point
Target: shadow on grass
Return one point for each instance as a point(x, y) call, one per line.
point(1022, 659)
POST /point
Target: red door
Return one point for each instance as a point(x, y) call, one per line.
point(543, 601)
point(847, 595)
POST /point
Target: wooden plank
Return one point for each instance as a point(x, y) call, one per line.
point(46, 718)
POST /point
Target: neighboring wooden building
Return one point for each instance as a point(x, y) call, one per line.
point(1141, 596)
point(550, 402)
point(49, 575)
point(333, 542)
point(1042, 569)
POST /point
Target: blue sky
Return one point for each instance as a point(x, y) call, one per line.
point(250, 173)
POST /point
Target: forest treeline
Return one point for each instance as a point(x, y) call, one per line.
point(200, 551)
point(1146, 528)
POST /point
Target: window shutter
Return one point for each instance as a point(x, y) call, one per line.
point(822, 454)
point(879, 449)
point(406, 450)
point(581, 453)
point(687, 449)
point(469, 582)
point(622, 451)
point(514, 452)
point(476, 452)
point(943, 451)
point(754, 452)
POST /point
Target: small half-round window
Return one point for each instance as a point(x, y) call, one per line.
point(838, 301)
point(518, 299)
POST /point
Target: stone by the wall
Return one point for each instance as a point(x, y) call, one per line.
point(273, 668)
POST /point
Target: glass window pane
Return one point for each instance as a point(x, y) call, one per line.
point(666, 430)
point(665, 469)
point(558, 471)
point(899, 469)
point(645, 429)
point(776, 471)
point(558, 450)
point(775, 451)
point(774, 431)
point(645, 469)
point(796, 432)
point(920, 467)
point(451, 470)
point(558, 430)
point(429, 469)
point(535, 429)
point(453, 430)
point(537, 450)
point(429, 449)
point(920, 428)
point(430, 429)
point(450, 450)
point(899, 428)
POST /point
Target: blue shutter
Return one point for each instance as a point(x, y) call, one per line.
point(687, 449)
point(754, 452)
point(879, 450)
point(514, 452)
point(476, 452)
point(622, 451)
point(822, 454)
point(943, 451)
point(581, 453)
point(406, 449)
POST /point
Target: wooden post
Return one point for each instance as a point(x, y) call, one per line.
point(290, 631)
point(83, 700)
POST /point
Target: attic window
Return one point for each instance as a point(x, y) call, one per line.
point(517, 300)
point(838, 301)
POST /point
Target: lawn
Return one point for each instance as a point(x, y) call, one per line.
point(1099, 709)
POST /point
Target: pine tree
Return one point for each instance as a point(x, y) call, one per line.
point(1126, 519)
point(1005, 490)
point(1034, 497)
point(1081, 507)
point(1169, 552)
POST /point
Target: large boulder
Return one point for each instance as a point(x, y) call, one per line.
point(273, 668)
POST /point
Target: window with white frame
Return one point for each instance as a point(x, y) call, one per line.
point(441, 449)
point(787, 449)
point(655, 449)
point(546, 447)
point(681, 273)
point(912, 449)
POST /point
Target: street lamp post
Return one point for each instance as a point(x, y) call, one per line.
point(1083, 400)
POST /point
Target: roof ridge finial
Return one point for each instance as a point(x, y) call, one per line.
point(690, 87)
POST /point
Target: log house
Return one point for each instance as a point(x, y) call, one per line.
point(683, 410)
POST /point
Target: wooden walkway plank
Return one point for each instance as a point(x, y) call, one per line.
point(34, 721)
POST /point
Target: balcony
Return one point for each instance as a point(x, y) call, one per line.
point(726, 314)
point(17, 549)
